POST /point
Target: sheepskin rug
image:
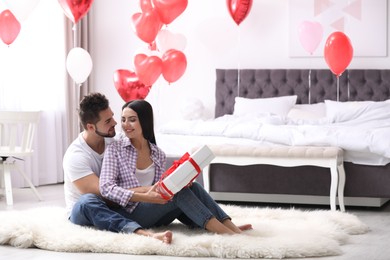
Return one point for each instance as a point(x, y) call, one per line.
point(277, 233)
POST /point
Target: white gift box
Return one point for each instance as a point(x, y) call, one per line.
point(186, 172)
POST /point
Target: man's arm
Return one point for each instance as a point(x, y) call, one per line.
point(88, 184)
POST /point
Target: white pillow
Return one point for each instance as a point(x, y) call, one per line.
point(192, 108)
point(307, 111)
point(333, 108)
point(253, 106)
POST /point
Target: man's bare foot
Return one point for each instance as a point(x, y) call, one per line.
point(165, 237)
point(245, 227)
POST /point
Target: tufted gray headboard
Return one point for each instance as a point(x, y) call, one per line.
point(311, 86)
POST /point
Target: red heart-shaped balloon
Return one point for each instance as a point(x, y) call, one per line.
point(174, 65)
point(128, 86)
point(146, 25)
point(75, 10)
point(169, 10)
point(239, 9)
point(147, 68)
point(146, 5)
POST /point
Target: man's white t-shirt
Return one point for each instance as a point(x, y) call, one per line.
point(79, 161)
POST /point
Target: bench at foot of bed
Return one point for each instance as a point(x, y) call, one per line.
point(287, 156)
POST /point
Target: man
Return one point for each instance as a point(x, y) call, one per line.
point(82, 163)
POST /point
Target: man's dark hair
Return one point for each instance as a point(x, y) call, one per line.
point(145, 116)
point(90, 107)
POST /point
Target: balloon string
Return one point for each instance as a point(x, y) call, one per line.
point(348, 85)
point(75, 38)
point(338, 88)
point(309, 96)
point(238, 71)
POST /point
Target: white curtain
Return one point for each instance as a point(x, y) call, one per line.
point(76, 36)
point(34, 77)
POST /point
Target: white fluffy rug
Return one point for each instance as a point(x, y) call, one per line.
point(277, 233)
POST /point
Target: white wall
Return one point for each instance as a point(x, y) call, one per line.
point(213, 41)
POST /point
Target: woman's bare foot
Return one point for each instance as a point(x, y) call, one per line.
point(236, 229)
point(165, 237)
point(245, 227)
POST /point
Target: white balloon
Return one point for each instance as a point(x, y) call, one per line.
point(166, 40)
point(79, 64)
point(21, 8)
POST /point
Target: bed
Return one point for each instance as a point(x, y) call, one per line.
point(309, 107)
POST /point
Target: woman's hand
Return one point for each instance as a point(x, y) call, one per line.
point(155, 196)
point(148, 194)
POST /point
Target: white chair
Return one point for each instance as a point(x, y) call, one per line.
point(17, 129)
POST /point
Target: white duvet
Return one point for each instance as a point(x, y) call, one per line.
point(361, 132)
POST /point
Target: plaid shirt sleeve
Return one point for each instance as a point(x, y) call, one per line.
point(115, 180)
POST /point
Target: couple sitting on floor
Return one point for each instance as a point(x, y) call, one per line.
point(117, 191)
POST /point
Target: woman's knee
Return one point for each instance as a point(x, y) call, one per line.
point(196, 187)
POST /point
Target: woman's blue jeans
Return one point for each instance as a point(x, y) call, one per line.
point(193, 206)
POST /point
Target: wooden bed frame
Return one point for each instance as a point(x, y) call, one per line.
point(366, 185)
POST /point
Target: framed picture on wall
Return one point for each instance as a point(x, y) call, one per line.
point(363, 21)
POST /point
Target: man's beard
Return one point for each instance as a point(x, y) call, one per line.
point(105, 134)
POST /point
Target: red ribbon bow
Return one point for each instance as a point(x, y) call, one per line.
point(177, 163)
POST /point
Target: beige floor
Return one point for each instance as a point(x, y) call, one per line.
point(371, 246)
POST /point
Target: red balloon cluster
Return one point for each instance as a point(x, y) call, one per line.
point(147, 25)
point(239, 9)
point(156, 13)
point(338, 52)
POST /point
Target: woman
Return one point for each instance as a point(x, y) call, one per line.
point(134, 164)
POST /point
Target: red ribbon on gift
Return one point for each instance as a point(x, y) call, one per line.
point(177, 163)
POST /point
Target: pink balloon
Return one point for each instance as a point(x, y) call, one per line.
point(169, 10)
point(310, 35)
point(174, 65)
point(146, 25)
point(128, 86)
point(75, 10)
point(147, 68)
point(239, 9)
point(166, 40)
point(9, 27)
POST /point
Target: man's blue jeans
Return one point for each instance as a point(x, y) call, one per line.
point(193, 206)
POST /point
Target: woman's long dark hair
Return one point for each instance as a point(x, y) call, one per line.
point(145, 116)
